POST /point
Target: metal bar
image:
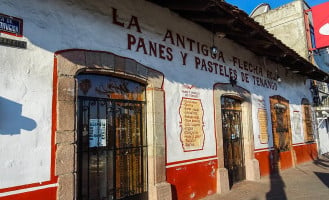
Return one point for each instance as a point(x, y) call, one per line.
point(114, 152)
point(131, 162)
point(97, 151)
point(88, 175)
point(107, 149)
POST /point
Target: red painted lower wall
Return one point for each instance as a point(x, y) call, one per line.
point(43, 194)
point(306, 153)
point(286, 161)
point(264, 159)
point(193, 181)
point(266, 164)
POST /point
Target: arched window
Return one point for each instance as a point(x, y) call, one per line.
point(112, 151)
point(75, 66)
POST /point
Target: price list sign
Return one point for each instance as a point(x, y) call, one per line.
point(192, 134)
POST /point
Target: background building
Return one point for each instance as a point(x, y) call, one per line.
point(298, 26)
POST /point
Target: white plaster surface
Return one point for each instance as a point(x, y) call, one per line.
point(258, 102)
point(323, 136)
point(49, 26)
point(297, 135)
point(173, 99)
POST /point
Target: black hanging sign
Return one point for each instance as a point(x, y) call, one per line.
point(11, 25)
point(12, 43)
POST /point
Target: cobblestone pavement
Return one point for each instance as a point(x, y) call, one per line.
point(304, 182)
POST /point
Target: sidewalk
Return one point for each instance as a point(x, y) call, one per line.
point(306, 181)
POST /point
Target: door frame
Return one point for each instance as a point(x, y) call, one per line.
point(67, 65)
point(251, 164)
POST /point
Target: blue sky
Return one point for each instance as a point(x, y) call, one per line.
point(249, 5)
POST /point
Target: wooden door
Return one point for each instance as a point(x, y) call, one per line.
point(281, 130)
point(232, 139)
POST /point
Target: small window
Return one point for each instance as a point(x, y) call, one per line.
point(280, 117)
point(307, 121)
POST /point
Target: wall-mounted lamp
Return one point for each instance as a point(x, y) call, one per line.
point(213, 50)
point(220, 35)
point(278, 78)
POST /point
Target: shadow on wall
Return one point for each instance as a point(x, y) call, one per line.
point(277, 190)
point(11, 119)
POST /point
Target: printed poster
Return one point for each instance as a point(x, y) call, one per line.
point(97, 132)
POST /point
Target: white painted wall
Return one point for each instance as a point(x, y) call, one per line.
point(323, 125)
point(49, 26)
point(296, 114)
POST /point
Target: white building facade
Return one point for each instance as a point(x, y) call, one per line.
point(124, 100)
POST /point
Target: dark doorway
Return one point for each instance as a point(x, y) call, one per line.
point(233, 139)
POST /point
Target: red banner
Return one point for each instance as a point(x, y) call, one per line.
point(320, 15)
